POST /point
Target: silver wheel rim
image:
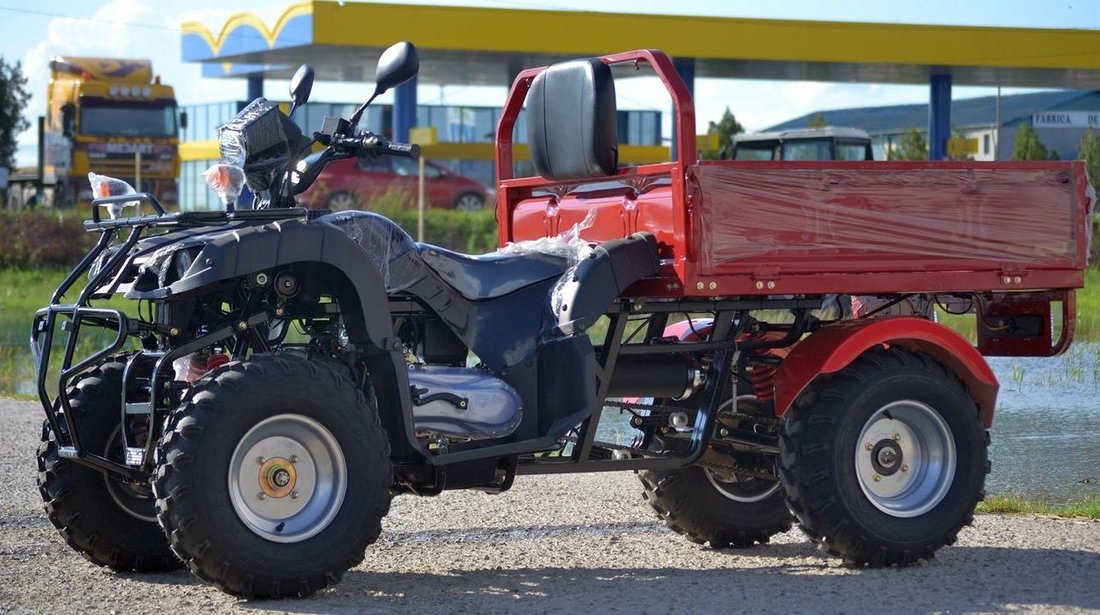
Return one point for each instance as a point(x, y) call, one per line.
point(342, 201)
point(469, 202)
point(745, 493)
point(905, 459)
point(287, 478)
point(722, 487)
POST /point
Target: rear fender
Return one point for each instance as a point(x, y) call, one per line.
point(834, 347)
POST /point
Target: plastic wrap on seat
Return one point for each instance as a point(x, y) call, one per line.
point(567, 245)
point(389, 247)
point(867, 217)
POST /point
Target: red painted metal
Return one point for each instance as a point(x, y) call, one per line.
point(741, 228)
point(667, 212)
point(834, 347)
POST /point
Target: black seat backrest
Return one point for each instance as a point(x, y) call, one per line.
point(571, 123)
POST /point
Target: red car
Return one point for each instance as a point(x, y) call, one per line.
point(355, 182)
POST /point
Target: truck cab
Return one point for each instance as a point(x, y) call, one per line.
point(830, 143)
point(113, 116)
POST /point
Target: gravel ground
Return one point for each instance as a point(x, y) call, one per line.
point(554, 544)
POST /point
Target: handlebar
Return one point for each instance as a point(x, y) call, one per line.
point(351, 146)
point(371, 144)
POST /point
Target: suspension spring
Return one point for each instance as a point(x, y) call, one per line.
point(763, 379)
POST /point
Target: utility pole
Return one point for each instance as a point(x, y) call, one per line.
point(997, 125)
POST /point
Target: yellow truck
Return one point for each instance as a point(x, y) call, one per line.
point(110, 116)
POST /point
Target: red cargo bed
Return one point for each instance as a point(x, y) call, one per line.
point(741, 228)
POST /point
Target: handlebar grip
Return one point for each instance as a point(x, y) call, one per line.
point(405, 150)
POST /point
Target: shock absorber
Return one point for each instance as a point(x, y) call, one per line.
point(762, 376)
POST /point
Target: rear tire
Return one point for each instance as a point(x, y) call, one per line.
point(885, 462)
point(110, 522)
point(273, 477)
point(722, 511)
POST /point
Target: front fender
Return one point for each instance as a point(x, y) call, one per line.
point(834, 347)
point(243, 251)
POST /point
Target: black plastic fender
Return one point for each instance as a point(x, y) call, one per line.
point(233, 253)
point(245, 250)
point(585, 291)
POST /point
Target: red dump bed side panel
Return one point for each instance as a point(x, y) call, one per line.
point(767, 228)
point(888, 227)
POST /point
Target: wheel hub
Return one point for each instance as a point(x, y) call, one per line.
point(886, 457)
point(278, 477)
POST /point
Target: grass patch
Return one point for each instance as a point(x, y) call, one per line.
point(1013, 504)
point(1087, 326)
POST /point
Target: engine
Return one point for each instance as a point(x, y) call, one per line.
point(462, 403)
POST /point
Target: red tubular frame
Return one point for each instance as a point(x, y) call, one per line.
point(683, 107)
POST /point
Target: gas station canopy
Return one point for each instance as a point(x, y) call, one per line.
point(487, 46)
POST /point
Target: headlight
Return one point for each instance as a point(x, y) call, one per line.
point(183, 259)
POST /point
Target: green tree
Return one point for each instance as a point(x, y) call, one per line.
point(1027, 145)
point(911, 146)
point(725, 128)
point(1088, 149)
point(13, 99)
point(817, 120)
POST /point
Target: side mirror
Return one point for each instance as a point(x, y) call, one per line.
point(183, 120)
point(396, 65)
point(300, 86)
point(68, 119)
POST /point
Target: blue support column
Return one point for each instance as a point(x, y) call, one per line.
point(404, 110)
point(939, 116)
point(686, 68)
point(255, 87)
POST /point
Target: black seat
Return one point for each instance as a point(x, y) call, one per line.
point(409, 266)
point(491, 275)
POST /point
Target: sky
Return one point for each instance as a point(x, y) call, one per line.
point(34, 32)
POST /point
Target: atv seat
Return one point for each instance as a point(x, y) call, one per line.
point(490, 275)
point(409, 266)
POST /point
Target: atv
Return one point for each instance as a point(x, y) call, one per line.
point(284, 372)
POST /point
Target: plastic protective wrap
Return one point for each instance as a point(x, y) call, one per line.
point(255, 140)
point(567, 245)
point(389, 247)
point(226, 180)
point(104, 186)
point(886, 217)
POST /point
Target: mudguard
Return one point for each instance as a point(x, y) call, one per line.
point(245, 250)
point(834, 347)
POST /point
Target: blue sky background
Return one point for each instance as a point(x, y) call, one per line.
point(33, 32)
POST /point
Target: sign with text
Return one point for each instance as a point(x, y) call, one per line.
point(1066, 119)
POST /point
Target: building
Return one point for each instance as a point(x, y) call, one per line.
point(1059, 118)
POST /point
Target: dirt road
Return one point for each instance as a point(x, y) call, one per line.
point(558, 544)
